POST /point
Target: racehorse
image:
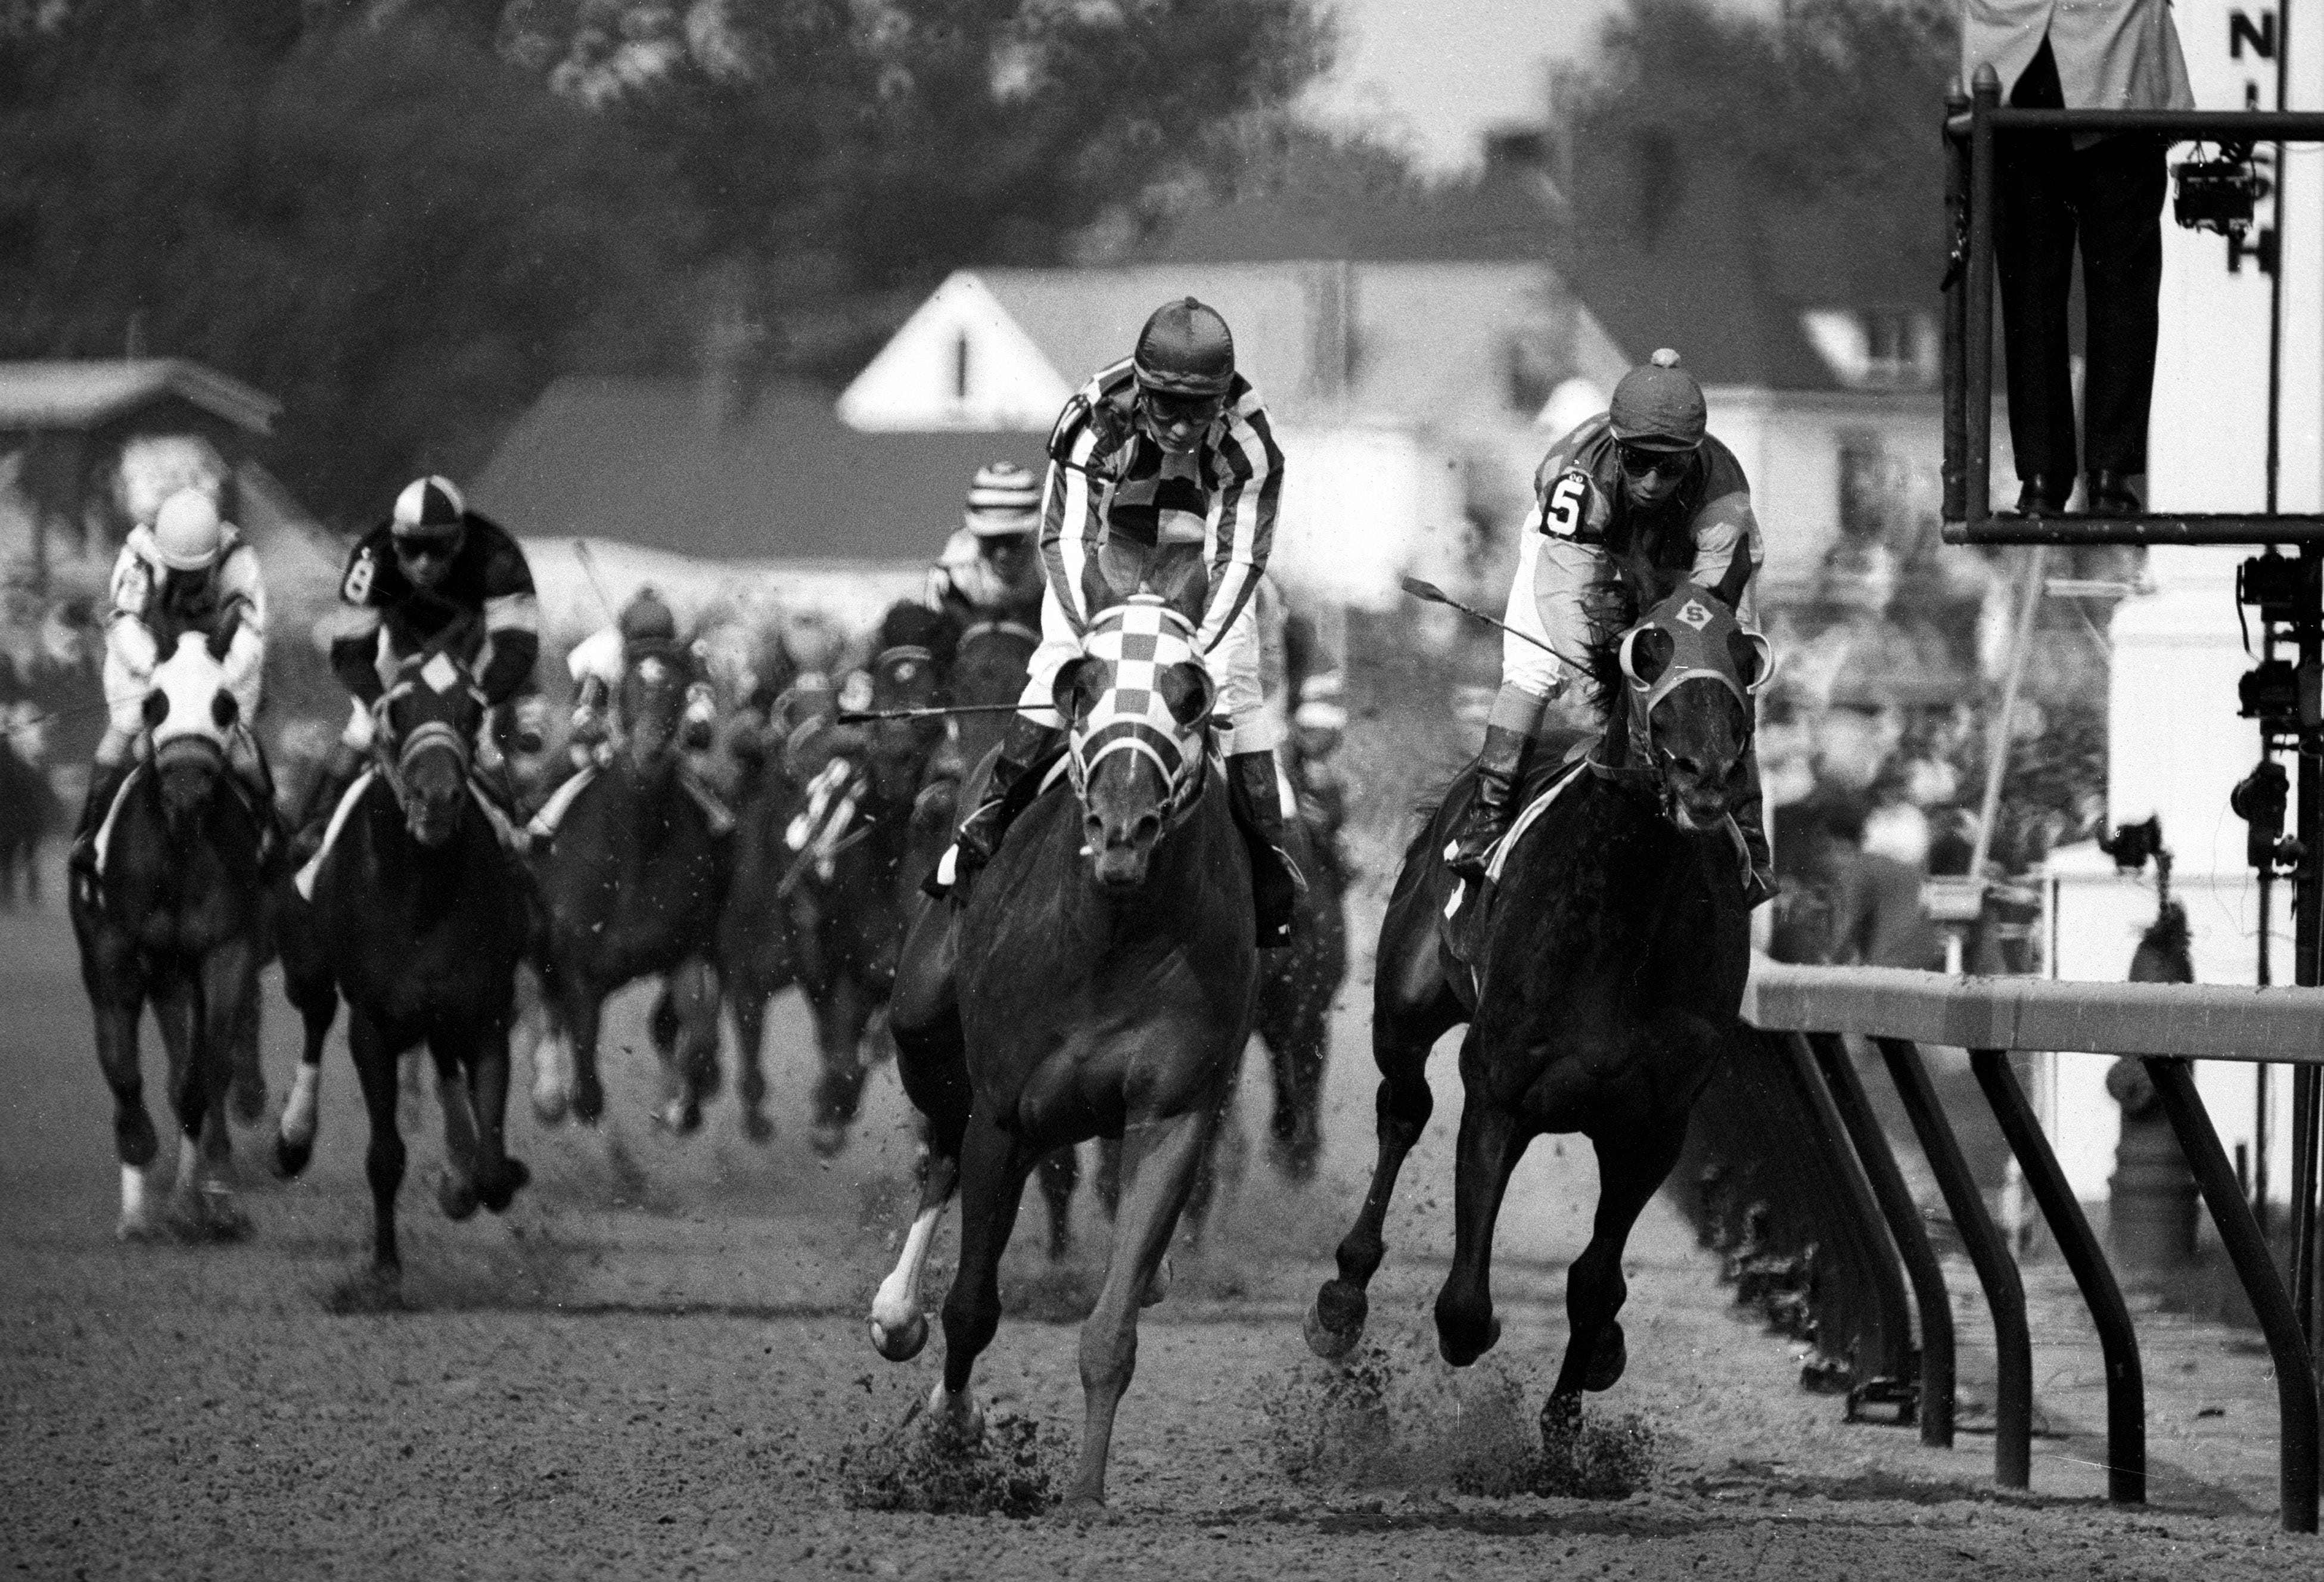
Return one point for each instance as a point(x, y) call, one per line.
point(1601, 984)
point(172, 919)
point(416, 914)
point(1098, 981)
point(824, 874)
point(633, 881)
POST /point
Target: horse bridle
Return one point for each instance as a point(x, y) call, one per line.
point(1182, 782)
point(394, 767)
point(1703, 664)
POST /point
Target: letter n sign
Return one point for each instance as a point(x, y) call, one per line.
point(2260, 36)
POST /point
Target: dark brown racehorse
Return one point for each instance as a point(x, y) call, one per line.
point(1097, 983)
point(632, 883)
point(173, 920)
point(1604, 987)
point(828, 865)
point(415, 913)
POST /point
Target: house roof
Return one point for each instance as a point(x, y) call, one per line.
point(83, 394)
point(1426, 341)
point(656, 462)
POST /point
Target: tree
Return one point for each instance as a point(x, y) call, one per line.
point(391, 231)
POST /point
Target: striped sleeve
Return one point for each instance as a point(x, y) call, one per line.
point(1242, 531)
point(1069, 524)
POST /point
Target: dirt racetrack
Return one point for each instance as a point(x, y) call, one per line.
point(654, 1364)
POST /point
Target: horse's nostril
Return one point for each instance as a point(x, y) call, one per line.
point(1148, 828)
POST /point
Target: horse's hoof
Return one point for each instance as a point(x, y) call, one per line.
point(1560, 1419)
point(1612, 1355)
point(680, 1117)
point(757, 1128)
point(292, 1158)
point(139, 1227)
point(1331, 1345)
point(1456, 1346)
point(902, 1343)
point(500, 1188)
point(548, 1106)
point(827, 1138)
point(456, 1195)
point(211, 1215)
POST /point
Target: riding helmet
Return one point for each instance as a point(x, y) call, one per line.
point(1186, 350)
point(1003, 500)
point(186, 533)
point(646, 620)
point(1659, 406)
point(429, 508)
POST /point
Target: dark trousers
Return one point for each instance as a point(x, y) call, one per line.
point(2109, 197)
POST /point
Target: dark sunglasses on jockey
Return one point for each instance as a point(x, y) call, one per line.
point(1166, 409)
point(1641, 461)
point(429, 548)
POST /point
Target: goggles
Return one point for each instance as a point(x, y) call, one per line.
point(1167, 410)
point(1639, 462)
point(427, 548)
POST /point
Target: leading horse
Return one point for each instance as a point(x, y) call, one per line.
point(1600, 983)
point(172, 919)
point(415, 911)
point(1098, 983)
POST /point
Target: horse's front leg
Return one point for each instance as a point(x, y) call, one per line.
point(992, 1171)
point(1412, 1008)
point(223, 1013)
point(375, 1050)
point(686, 1037)
point(134, 1141)
point(841, 1014)
point(1161, 1159)
point(473, 1079)
point(1491, 1142)
point(578, 1005)
point(1632, 1163)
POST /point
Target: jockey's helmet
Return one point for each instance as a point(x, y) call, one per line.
point(1658, 406)
point(188, 535)
point(429, 508)
point(1184, 350)
point(1004, 501)
point(647, 621)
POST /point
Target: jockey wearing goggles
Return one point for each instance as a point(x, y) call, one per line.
point(1643, 479)
point(431, 566)
point(187, 570)
point(990, 569)
point(1166, 453)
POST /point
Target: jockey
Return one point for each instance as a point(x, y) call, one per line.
point(433, 565)
point(188, 571)
point(990, 569)
point(1643, 481)
point(1166, 452)
point(645, 626)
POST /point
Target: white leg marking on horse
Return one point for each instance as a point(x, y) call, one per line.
point(136, 1199)
point(190, 1165)
point(299, 1115)
point(898, 1303)
point(552, 1072)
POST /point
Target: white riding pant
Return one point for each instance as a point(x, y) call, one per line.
point(1246, 724)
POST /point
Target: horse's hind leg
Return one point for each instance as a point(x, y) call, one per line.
point(1630, 1168)
point(375, 1050)
point(685, 1026)
point(579, 1006)
point(749, 1000)
point(224, 1009)
point(992, 1171)
point(1491, 1142)
point(1163, 1157)
point(248, 1091)
point(841, 1015)
point(484, 1061)
point(1411, 1009)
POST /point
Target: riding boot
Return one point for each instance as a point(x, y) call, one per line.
point(331, 782)
point(1256, 796)
point(1028, 745)
point(105, 781)
point(1750, 818)
point(1486, 817)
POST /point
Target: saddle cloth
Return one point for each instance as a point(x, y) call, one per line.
point(510, 837)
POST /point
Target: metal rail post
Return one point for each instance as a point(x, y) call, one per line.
point(2125, 1384)
point(1985, 97)
point(2295, 1376)
point(1905, 1225)
point(1956, 398)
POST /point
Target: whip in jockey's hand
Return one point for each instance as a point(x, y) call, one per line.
point(1168, 451)
point(1643, 484)
point(188, 570)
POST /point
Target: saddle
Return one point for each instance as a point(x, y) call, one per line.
point(511, 838)
point(1467, 918)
